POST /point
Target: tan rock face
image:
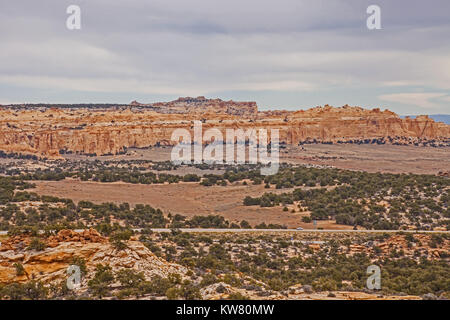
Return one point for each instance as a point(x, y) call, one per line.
point(65, 235)
point(48, 132)
point(395, 243)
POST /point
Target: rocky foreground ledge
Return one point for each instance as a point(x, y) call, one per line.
point(21, 262)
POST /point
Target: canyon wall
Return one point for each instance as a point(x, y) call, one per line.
point(50, 131)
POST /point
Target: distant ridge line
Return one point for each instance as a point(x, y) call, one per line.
point(445, 118)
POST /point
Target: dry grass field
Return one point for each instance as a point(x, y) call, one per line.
point(371, 158)
point(193, 199)
point(188, 199)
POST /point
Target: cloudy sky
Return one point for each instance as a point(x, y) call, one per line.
point(280, 53)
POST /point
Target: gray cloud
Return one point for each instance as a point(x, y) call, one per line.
point(253, 48)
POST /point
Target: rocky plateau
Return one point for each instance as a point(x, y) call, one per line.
point(50, 132)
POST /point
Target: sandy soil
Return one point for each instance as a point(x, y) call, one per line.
point(184, 198)
point(371, 158)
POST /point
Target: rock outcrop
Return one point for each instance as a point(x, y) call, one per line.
point(419, 243)
point(53, 131)
point(51, 263)
point(201, 105)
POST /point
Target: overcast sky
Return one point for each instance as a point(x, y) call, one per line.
point(285, 54)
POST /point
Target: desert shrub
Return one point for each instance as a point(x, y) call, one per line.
point(129, 278)
point(237, 296)
point(100, 283)
point(20, 270)
point(36, 244)
point(32, 290)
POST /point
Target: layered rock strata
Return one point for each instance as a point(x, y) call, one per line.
point(50, 132)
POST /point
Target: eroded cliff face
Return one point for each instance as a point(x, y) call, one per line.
point(48, 132)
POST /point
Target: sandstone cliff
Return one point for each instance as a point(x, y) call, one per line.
point(49, 132)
